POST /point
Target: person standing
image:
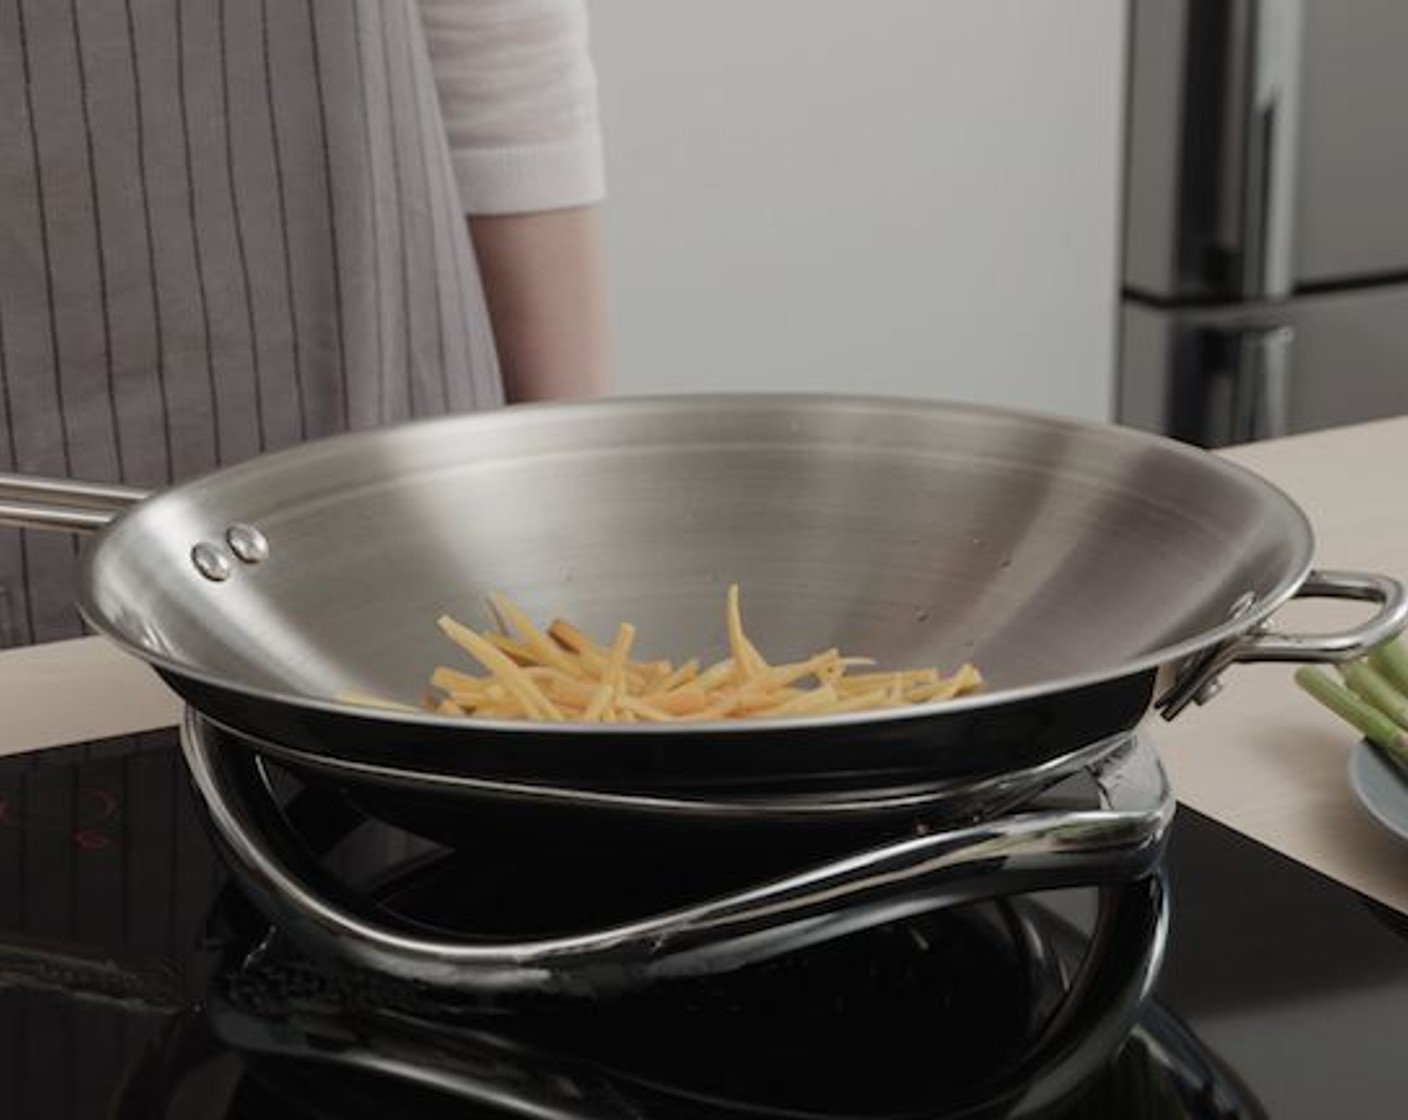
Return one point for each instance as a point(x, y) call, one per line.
point(230, 226)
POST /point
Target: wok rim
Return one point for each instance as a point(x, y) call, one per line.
point(1302, 546)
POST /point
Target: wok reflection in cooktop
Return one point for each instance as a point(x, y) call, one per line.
point(942, 1009)
point(107, 944)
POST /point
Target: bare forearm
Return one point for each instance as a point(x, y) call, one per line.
point(543, 282)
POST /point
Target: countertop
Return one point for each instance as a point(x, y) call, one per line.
point(1261, 758)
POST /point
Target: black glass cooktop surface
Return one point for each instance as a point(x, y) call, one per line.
point(136, 982)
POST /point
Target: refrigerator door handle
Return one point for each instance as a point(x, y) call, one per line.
point(1249, 396)
point(1260, 141)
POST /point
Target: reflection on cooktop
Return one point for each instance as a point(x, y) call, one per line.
point(134, 983)
point(935, 1024)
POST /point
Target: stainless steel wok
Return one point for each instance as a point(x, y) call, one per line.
point(1089, 571)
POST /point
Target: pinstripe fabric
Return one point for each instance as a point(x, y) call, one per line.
point(226, 226)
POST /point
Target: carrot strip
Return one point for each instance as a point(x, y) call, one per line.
point(559, 673)
point(514, 680)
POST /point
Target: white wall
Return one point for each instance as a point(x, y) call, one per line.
point(907, 196)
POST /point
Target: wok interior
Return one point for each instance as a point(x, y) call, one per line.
point(916, 535)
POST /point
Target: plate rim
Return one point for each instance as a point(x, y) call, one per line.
point(1364, 760)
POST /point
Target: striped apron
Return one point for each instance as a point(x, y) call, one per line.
point(226, 226)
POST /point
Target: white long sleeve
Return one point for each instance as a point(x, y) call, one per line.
point(518, 94)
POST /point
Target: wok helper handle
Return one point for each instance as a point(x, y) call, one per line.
point(1197, 682)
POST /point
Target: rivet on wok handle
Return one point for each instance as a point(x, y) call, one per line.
point(247, 543)
point(211, 562)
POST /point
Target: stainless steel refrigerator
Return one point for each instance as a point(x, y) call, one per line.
point(1266, 217)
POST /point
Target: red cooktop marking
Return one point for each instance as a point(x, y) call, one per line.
point(96, 807)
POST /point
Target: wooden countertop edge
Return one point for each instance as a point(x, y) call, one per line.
point(77, 691)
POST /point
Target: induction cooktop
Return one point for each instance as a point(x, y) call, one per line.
point(136, 982)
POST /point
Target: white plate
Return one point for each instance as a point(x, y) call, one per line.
point(1381, 789)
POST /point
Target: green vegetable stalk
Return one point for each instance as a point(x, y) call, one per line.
point(1377, 727)
point(1390, 660)
point(1375, 689)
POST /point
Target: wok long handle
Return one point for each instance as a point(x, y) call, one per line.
point(1199, 681)
point(36, 502)
point(1038, 850)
